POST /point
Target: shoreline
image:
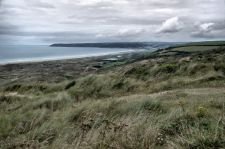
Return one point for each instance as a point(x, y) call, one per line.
point(54, 71)
point(66, 58)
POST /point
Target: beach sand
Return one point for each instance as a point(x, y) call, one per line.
point(57, 70)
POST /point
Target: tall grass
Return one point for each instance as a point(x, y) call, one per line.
point(138, 121)
point(167, 102)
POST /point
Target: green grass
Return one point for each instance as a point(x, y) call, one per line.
point(206, 43)
point(162, 102)
point(195, 48)
point(136, 121)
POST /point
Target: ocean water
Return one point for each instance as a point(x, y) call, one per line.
point(21, 53)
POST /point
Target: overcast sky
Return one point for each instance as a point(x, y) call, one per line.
point(51, 21)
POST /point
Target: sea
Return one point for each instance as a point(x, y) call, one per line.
point(38, 53)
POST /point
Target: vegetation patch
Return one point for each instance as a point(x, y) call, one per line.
point(167, 69)
point(164, 101)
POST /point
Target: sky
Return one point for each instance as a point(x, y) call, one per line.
point(66, 21)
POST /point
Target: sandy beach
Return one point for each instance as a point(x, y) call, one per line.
point(60, 70)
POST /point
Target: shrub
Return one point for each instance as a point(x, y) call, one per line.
point(69, 85)
point(151, 106)
point(20, 143)
point(9, 99)
point(35, 88)
point(47, 136)
point(5, 126)
point(178, 125)
point(139, 72)
point(53, 103)
point(30, 121)
point(167, 68)
point(207, 143)
point(119, 84)
point(13, 88)
point(198, 68)
point(215, 104)
point(220, 67)
point(201, 112)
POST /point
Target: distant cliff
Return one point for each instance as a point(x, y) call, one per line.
point(105, 45)
point(136, 45)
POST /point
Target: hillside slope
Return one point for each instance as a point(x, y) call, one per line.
point(172, 98)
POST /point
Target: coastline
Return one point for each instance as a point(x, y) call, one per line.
point(63, 69)
point(101, 95)
point(64, 58)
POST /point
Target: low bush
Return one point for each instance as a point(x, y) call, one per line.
point(53, 103)
point(151, 106)
point(220, 67)
point(69, 85)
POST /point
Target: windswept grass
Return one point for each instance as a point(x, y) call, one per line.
point(162, 102)
point(172, 119)
point(151, 76)
point(195, 48)
point(34, 88)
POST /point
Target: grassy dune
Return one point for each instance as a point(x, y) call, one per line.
point(167, 99)
point(195, 48)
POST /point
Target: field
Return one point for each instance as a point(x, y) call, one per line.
point(172, 98)
point(195, 48)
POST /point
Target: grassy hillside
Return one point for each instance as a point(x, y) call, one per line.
point(197, 46)
point(172, 98)
point(206, 43)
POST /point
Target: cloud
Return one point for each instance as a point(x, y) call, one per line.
point(129, 32)
point(171, 25)
point(101, 2)
point(106, 20)
point(123, 33)
point(210, 30)
point(219, 25)
point(206, 27)
point(6, 28)
point(40, 4)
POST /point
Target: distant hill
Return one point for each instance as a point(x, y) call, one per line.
point(136, 45)
point(204, 43)
point(163, 99)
